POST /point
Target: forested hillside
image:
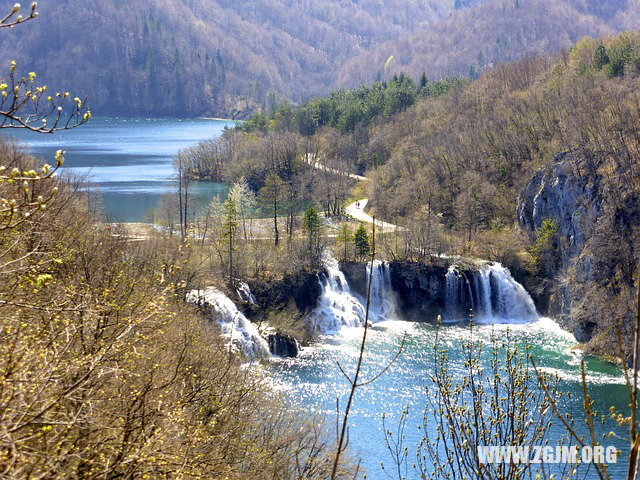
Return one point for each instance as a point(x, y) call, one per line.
point(206, 56)
point(497, 31)
point(216, 57)
point(449, 164)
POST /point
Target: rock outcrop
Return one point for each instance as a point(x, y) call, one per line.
point(284, 303)
point(419, 287)
point(283, 345)
point(567, 195)
point(596, 218)
point(303, 289)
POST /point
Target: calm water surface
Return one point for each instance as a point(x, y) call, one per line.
point(314, 380)
point(128, 159)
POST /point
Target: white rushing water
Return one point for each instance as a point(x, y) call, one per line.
point(383, 299)
point(340, 307)
point(244, 292)
point(489, 293)
point(241, 334)
point(337, 306)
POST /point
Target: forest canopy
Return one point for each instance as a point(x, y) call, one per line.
point(216, 58)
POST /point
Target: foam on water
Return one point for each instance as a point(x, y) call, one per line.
point(340, 307)
point(241, 334)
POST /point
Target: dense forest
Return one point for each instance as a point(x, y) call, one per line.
point(209, 56)
point(472, 40)
point(212, 57)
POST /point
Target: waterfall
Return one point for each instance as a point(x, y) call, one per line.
point(490, 293)
point(383, 305)
point(339, 306)
point(240, 333)
point(244, 292)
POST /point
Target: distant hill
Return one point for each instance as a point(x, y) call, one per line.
point(205, 57)
point(229, 57)
point(472, 40)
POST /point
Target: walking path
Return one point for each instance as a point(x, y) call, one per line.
point(310, 159)
point(356, 209)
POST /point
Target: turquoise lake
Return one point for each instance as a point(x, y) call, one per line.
point(314, 380)
point(129, 160)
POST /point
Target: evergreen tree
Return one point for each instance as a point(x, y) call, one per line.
point(600, 57)
point(424, 81)
point(229, 229)
point(312, 227)
point(361, 240)
point(615, 68)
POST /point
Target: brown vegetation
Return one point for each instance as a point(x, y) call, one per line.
point(213, 57)
point(104, 373)
point(450, 169)
point(474, 40)
point(206, 57)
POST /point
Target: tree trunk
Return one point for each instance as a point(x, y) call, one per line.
point(180, 198)
point(275, 221)
point(230, 257)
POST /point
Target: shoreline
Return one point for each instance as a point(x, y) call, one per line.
point(220, 119)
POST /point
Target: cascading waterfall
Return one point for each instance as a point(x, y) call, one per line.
point(244, 292)
point(339, 306)
point(490, 293)
point(383, 305)
point(240, 333)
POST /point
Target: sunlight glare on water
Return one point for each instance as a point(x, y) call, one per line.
point(314, 380)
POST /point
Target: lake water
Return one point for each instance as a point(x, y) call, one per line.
point(128, 159)
point(314, 380)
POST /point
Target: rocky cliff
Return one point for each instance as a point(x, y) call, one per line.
point(284, 303)
point(596, 214)
point(301, 289)
point(420, 288)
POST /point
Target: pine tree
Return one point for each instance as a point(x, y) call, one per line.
point(600, 57)
point(312, 226)
point(229, 229)
point(361, 239)
point(424, 81)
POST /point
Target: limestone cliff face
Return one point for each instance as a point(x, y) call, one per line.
point(590, 285)
point(284, 303)
point(573, 199)
point(303, 289)
point(420, 288)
